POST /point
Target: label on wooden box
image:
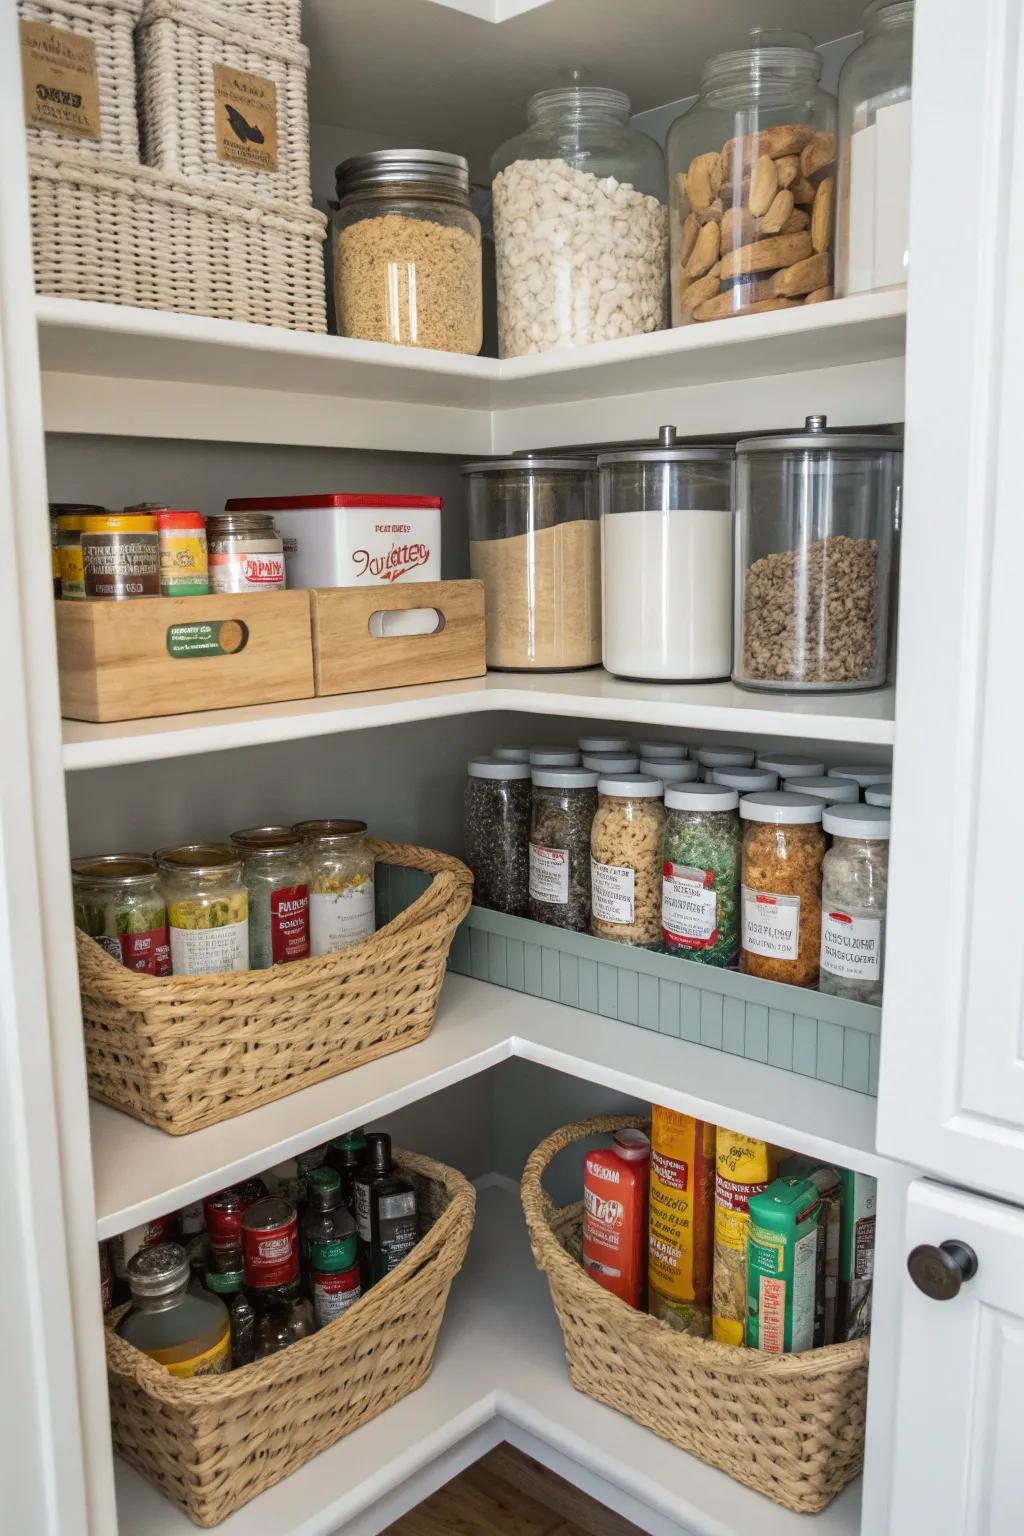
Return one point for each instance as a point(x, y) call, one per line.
point(60, 85)
point(221, 637)
point(246, 118)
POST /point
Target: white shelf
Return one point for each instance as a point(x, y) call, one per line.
point(500, 1362)
point(851, 718)
point(140, 1172)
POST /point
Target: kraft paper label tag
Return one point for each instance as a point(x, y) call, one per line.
point(246, 118)
point(223, 637)
point(60, 85)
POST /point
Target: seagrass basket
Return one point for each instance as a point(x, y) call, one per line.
point(212, 1443)
point(183, 1052)
point(121, 234)
point(789, 1426)
point(110, 26)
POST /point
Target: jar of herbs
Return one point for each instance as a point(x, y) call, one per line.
point(496, 808)
point(625, 862)
point(342, 909)
point(276, 876)
point(780, 924)
point(118, 903)
point(854, 886)
point(564, 805)
point(207, 908)
point(701, 856)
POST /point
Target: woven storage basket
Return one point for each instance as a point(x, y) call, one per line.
point(212, 1443)
point(110, 24)
point(180, 44)
point(283, 18)
point(130, 235)
point(789, 1426)
point(183, 1052)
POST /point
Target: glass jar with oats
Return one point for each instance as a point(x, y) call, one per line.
point(535, 543)
point(342, 909)
point(780, 896)
point(625, 860)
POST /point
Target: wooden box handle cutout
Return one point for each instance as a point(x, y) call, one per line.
point(393, 623)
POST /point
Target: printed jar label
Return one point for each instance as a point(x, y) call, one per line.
point(549, 874)
point(60, 86)
point(333, 1294)
point(211, 1362)
point(338, 919)
point(689, 906)
point(121, 565)
point(271, 1255)
point(148, 953)
point(851, 946)
point(247, 571)
point(771, 924)
point(289, 923)
point(246, 118)
point(204, 951)
point(223, 637)
point(612, 892)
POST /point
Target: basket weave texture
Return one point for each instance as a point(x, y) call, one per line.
point(129, 235)
point(789, 1426)
point(283, 18)
point(212, 1443)
point(110, 24)
point(178, 44)
point(183, 1052)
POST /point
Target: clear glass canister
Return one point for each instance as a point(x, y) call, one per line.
point(701, 873)
point(407, 251)
point(118, 902)
point(854, 887)
point(816, 520)
point(535, 543)
point(562, 814)
point(780, 896)
point(246, 553)
point(872, 230)
point(342, 909)
point(580, 224)
point(276, 875)
point(752, 182)
point(666, 561)
point(625, 852)
point(207, 908)
point(496, 809)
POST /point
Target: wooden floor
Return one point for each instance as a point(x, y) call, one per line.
point(508, 1494)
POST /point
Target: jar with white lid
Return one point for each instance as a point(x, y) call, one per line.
point(562, 813)
point(862, 774)
point(879, 794)
point(612, 762)
point(511, 754)
point(666, 560)
point(855, 881)
point(656, 751)
point(701, 873)
point(246, 553)
point(342, 909)
point(671, 770)
point(789, 765)
point(625, 869)
point(816, 519)
point(780, 900)
point(496, 809)
point(605, 744)
point(722, 757)
point(554, 757)
point(747, 780)
point(823, 787)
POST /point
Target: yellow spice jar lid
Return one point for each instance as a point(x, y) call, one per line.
point(70, 522)
point(119, 522)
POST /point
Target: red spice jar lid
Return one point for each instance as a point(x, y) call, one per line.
point(169, 519)
point(224, 1216)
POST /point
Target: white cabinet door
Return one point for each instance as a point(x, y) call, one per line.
point(951, 1096)
point(957, 1467)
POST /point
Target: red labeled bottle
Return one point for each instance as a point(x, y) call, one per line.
point(615, 1215)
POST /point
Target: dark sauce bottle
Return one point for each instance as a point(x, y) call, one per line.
point(385, 1212)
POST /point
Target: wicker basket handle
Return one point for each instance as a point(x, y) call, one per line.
point(538, 1207)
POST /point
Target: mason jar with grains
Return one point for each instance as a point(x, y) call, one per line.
point(752, 183)
point(625, 863)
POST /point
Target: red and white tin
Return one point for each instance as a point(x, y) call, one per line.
point(354, 539)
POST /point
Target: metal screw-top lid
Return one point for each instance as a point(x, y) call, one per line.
point(816, 435)
point(327, 831)
point(117, 868)
point(669, 451)
point(378, 1145)
point(414, 170)
point(265, 839)
point(201, 859)
point(158, 1271)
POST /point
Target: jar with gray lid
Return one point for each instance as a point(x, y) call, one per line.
point(671, 770)
point(625, 866)
point(879, 794)
point(564, 804)
point(823, 787)
point(854, 889)
point(407, 251)
point(246, 553)
point(496, 809)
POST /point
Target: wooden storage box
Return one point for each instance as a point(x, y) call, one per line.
point(351, 655)
point(171, 655)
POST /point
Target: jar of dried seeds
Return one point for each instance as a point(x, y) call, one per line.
point(496, 808)
point(855, 880)
point(342, 909)
point(780, 899)
point(564, 803)
point(625, 868)
point(701, 873)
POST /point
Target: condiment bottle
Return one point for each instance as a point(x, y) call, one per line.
point(229, 1286)
point(323, 1199)
point(854, 887)
point(189, 1334)
point(385, 1212)
point(224, 1212)
point(276, 875)
point(615, 1215)
point(334, 1269)
point(346, 1155)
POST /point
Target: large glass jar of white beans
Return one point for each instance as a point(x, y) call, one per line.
point(341, 892)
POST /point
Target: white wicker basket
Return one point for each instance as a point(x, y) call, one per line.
point(181, 45)
point(110, 24)
point(102, 230)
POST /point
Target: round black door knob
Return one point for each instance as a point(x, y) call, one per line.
point(940, 1272)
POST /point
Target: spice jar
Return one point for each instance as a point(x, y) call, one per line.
point(722, 757)
point(118, 903)
point(625, 852)
point(564, 803)
point(535, 543)
point(69, 541)
point(120, 555)
point(830, 791)
point(497, 826)
point(752, 181)
point(342, 908)
point(246, 553)
point(605, 744)
point(554, 757)
point(511, 754)
point(789, 765)
point(674, 751)
point(580, 224)
point(666, 532)
point(780, 921)
point(747, 780)
point(816, 521)
point(879, 794)
point(862, 774)
point(612, 762)
point(854, 886)
point(276, 876)
point(184, 570)
point(407, 251)
point(207, 908)
point(701, 873)
point(671, 770)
